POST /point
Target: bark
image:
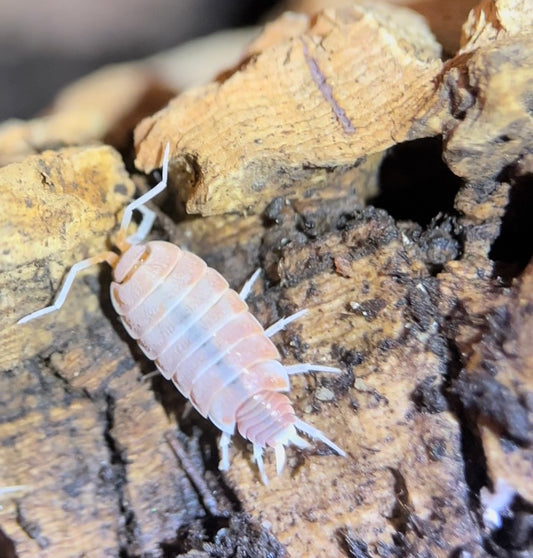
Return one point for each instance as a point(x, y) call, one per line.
point(383, 189)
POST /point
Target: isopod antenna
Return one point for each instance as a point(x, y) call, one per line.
point(122, 243)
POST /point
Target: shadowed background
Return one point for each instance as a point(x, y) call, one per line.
point(46, 45)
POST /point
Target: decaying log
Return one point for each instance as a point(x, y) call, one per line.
point(320, 160)
point(443, 18)
point(306, 107)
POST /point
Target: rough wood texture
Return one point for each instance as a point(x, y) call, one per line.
point(443, 18)
point(418, 284)
point(315, 100)
point(493, 20)
point(58, 208)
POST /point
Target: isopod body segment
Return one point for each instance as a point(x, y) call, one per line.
point(198, 331)
point(202, 337)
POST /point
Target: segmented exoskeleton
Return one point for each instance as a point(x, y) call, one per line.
point(201, 336)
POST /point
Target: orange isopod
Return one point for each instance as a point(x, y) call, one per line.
point(201, 336)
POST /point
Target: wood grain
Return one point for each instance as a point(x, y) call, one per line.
point(409, 242)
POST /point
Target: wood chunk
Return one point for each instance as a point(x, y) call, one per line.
point(99, 434)
point(491, 21)
point(430, 322)
point(296, 111)
point(59, 208)
point(52, 444)
point(493, 131)
point(444, 18)
point(482, 107)
point(499, 375)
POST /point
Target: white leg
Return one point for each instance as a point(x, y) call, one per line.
point(258, 458)
point(280, 457)
point(304, 368)
point(313, 432)
point(13, 489)
point(136, 204)
point(223, 444)
point(247, 287)
point(149, 376)
point(109, 257)
point(291, 437)
point(281, 324)
point(145, 226)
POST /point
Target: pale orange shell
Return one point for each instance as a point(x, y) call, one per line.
point(201, 335)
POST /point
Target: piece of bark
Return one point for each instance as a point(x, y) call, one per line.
point(490, 328)
point(400, 306)
point(488, 142)
point(105, 480)
point(493, 332)
point(494, 20)
point(483, 134)
point(59, 207)
point(444, 18)
point(490, 133)
point(296, 112)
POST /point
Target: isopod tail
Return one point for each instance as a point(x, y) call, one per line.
point(290, 436)
point(316, 434)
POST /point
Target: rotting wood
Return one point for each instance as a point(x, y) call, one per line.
point(413, 313)
point(58, 207)
point(443, 18)
point(302, 109)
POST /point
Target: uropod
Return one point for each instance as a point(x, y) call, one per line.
point(202, 337)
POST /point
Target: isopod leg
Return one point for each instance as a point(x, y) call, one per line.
point(149, 376)
point(145, 226)
point(304, 368)
point(284, 322)
point(280, 458)
point(247, 287)
point(258, 458)
point(224, 443)
point(13, 489)
point(280, 324)
point(313, 432)
point(109, 257)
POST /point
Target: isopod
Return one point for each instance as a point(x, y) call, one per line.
point(201, 335)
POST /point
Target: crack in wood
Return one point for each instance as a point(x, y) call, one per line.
point(129, 532)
